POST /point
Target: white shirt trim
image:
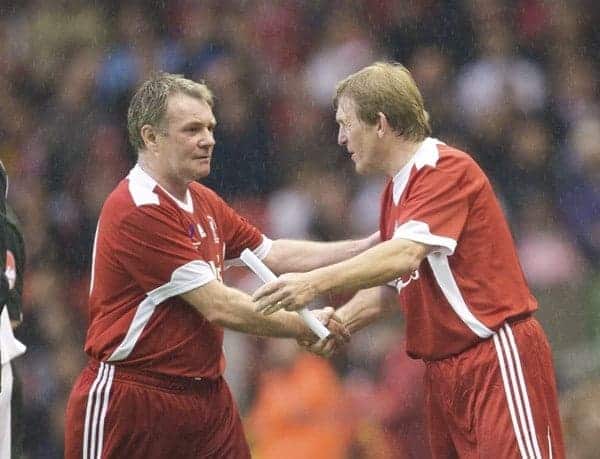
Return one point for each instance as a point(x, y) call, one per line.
point(426, 155)
point(418, 231)
point(445, 279)
point(187, 205)
point(261, 252)
point(11, 346)
point(185, 278)
point(141, 187)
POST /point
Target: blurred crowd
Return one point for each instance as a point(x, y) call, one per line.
point(513, 82)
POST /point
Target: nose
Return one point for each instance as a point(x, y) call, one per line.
point(207, 140)
point(342, 138)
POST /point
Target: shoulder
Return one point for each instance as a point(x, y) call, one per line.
point(206, 195)
point(454, 158)
point(439, 161)
point(200, 190)
point(134, 202)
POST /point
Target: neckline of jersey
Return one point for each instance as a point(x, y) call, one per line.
point(139, 174)
point(420, 157)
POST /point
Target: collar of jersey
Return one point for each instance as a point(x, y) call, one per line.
point(142, 178)
point(426, 154)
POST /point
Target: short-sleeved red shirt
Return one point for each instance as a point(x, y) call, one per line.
point(148, 249)
point(473, 281)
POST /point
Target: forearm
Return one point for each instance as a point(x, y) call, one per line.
point(376, 266)
point(288, 255)
point(366, 307)
point(237, 312)
point(233, 309)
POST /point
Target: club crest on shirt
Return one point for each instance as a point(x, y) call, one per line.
point(213, 228)
point(196, 231)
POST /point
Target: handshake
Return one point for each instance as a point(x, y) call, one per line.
point(328, 346)
point(292, 292)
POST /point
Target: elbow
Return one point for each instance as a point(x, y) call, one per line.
point(214, 316)
point(414, 253)
point(414, 263)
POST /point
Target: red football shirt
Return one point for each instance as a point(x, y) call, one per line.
point(472, 282)
point(149, 248)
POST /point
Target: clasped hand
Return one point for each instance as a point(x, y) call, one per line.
point(328, 346)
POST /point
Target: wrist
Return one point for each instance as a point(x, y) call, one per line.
point(342, 314)
point(298, 327)
point(317, 281)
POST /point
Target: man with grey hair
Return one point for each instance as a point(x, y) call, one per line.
point(154, 386)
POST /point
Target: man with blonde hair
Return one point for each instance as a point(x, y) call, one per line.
point(447, 251)
point(154, 385)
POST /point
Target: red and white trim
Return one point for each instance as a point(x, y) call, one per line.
point(184, 279)
point(426, 155)
point(95, 412)
point(443, 275)
point(418, 231)
point(261, 252)
point(515, 389)
point(93, 274)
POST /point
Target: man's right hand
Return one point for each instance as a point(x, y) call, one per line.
point(339, 334)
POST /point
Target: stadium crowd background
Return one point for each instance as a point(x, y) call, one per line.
point(515, 83)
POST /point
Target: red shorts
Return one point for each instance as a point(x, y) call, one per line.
point(116, 413)
point(497, 399)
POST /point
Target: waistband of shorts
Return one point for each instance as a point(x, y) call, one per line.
point(514, 320)
point(158, 380)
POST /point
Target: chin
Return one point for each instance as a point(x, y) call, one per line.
point(361, 169)
point(202, 173)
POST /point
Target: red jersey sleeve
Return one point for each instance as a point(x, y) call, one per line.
point(435, 209)
point(156, 250)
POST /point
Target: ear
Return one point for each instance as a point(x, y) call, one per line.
point(149, 135)
point(382, 124)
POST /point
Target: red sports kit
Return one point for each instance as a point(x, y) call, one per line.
point(490, 378)
point(154, 384)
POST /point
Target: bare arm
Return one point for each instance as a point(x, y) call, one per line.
point(298, 256)
point(378, 265)
point(231, 308)
point(367, 306)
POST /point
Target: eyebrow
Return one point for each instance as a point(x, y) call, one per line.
point(211, 123)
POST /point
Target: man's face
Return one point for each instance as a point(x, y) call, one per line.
point(358, 137)
point(185, 149)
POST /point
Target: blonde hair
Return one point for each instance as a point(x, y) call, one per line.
point(390, 89)
point(149, 103)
